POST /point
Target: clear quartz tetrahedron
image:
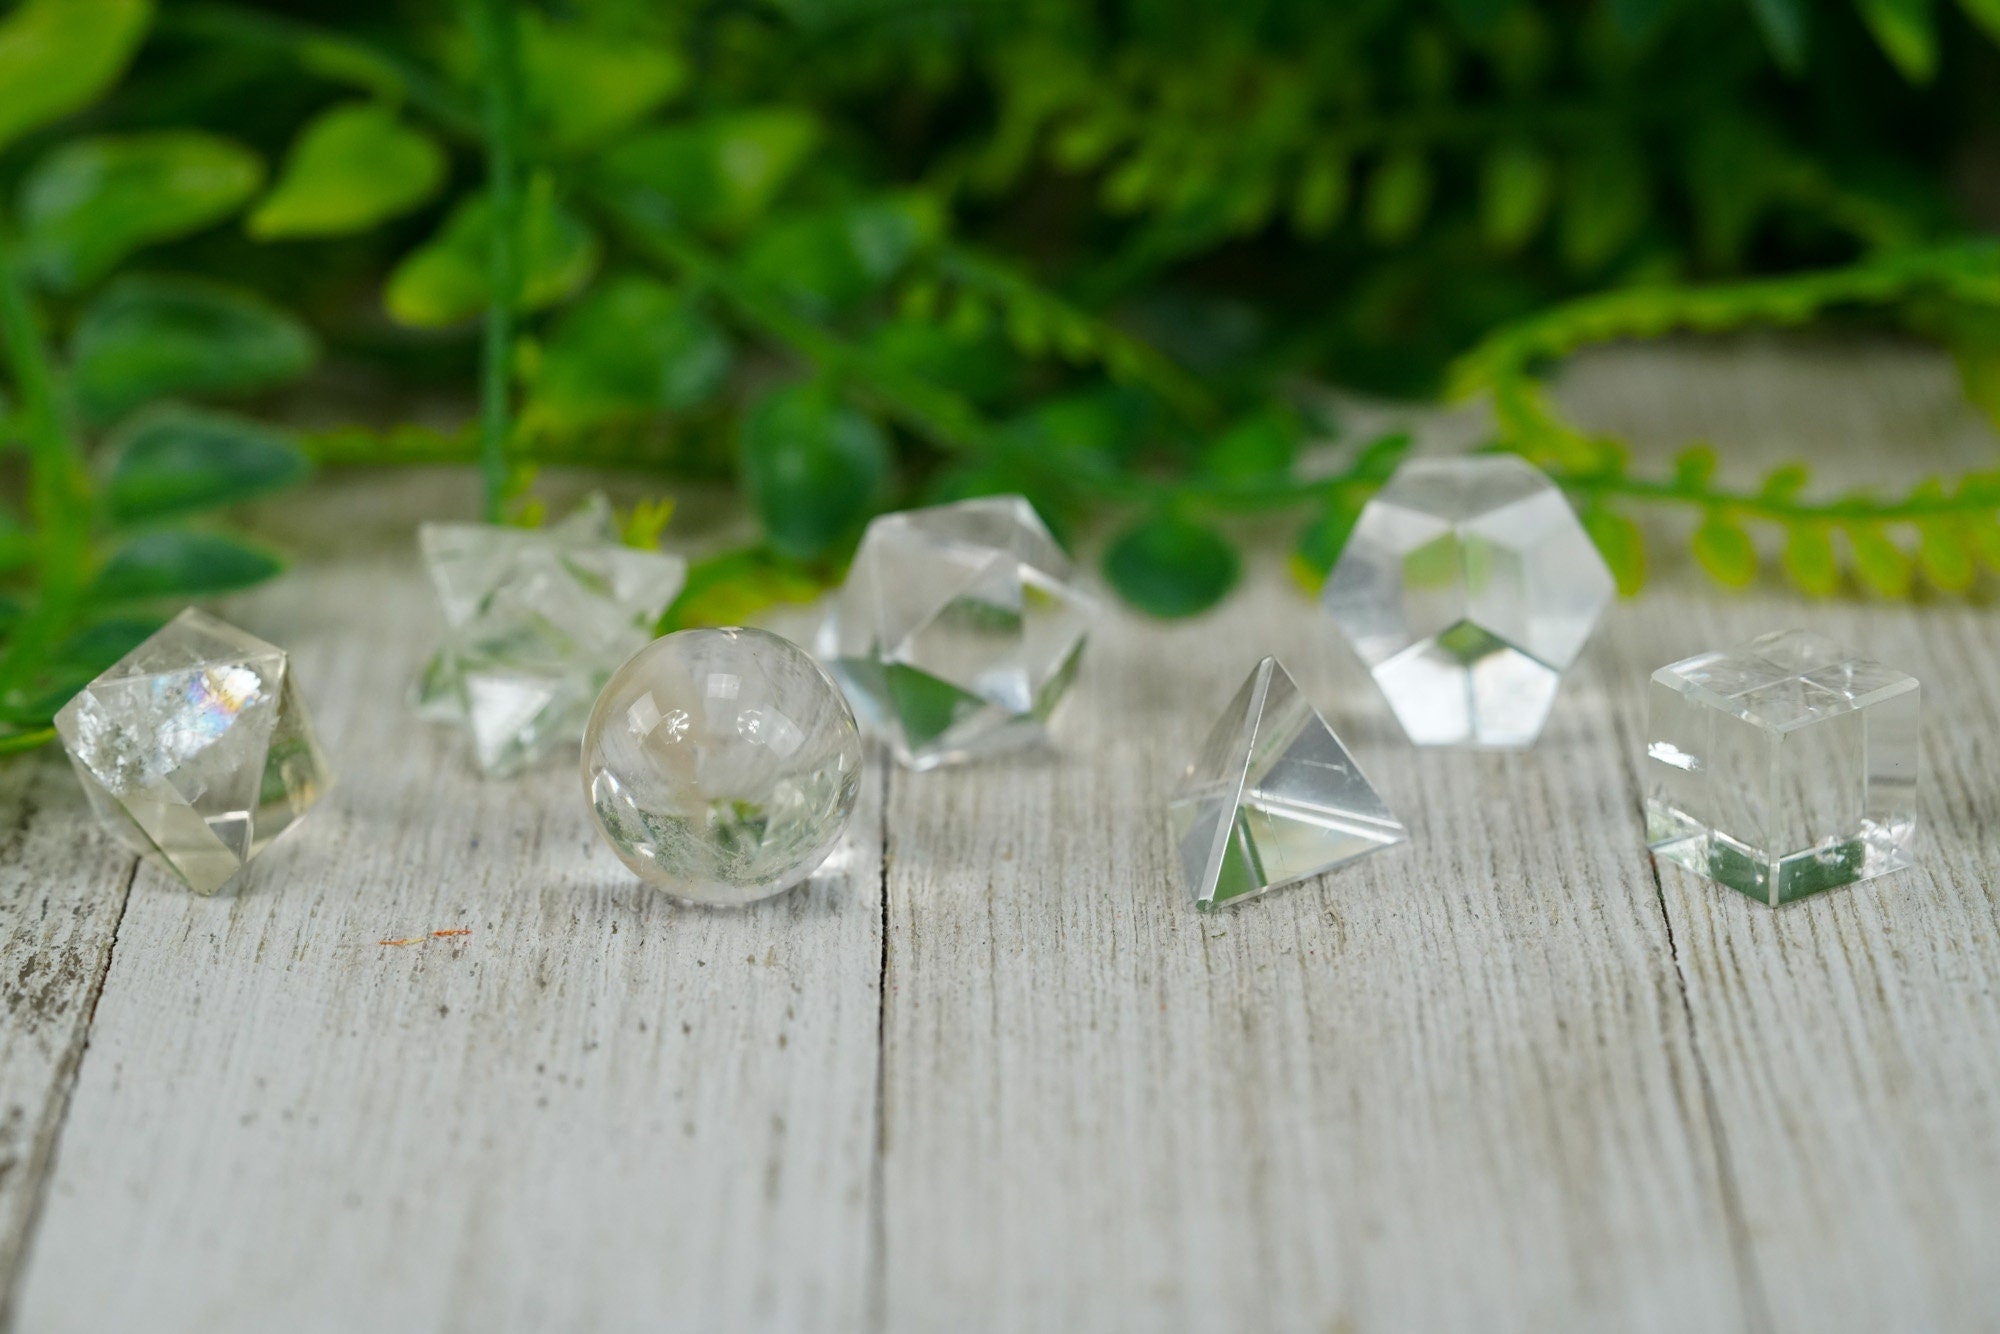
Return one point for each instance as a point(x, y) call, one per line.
point(195, 749)
point(536, 620)
point(1273, 797)
point(1782, 767)
point(1468, 587)
point(958, 629)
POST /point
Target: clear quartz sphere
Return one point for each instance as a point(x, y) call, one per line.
point(722, 765)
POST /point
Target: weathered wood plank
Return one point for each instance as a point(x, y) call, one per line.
point(1448, 1087)
point(597, 1110)
point(62, 891)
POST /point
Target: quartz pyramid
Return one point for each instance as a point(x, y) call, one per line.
point(1273, 797)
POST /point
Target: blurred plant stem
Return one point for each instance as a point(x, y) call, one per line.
point(59, 489)
point(496, 35)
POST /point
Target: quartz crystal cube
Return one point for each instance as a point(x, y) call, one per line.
point(1783, 767)
point(722, 765)
point(195, 749)
point(1273, 797)
point(1468, 587)
point(536, 620)
point(958, 629)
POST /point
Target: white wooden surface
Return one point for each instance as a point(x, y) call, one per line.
point(991, 1071)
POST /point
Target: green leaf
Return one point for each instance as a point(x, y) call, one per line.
point(350, 168)
point(831, 261)
point(183, 564)
point(1637, 20)
point(1168, 565)
point(58, 56)
point(1784, 25)
point(1263, 445)
point(17, 545)
point(176, 460)
point(1320, 542)
point(1784, 482)
point(1946, 556)
point(1725, 551)
point(814, 469)
point(632, 348)
point(1605, 201)
point(1879, 562)
point(583, 86)
point(1622, 545)
point(1906, 32)
point(1694, 467)
point(1514, 193)
point(1810, 561)
point(1399, 193)
point(1322, 193)
point(1986, 13)
point(150, 337)
point(446, 280)
point(718, 174)
point(1382, 456)
point(75, 663)
point(92, 202)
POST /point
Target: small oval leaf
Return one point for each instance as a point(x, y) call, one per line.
point(1170, 566)
point(447, 280)
point(177, 460)
point(152, 337)
point(57, 56)
point(634, 347)
point(1725, 551)
point(350, 168)
point(182, 563)
point(814, 469)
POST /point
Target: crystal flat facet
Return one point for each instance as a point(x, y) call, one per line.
point(958, 629)
point(1273, 797)
point(1783, 767)
point(1468, 587)
point(195, 749)
point(536, 620)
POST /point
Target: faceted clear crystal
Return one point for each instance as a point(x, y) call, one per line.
point(1468, 587)
point(722, 765)
point(958, 629)
point(195, 749)
point(1782, 767)
point(535, 621)
point(1273, 797)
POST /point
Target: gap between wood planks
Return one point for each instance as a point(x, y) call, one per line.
point(877, 1293)
point(48, 1143)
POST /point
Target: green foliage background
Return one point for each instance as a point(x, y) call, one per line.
point(857, 254)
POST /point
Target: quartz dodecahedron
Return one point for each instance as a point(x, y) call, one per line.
point(1273, 797)
point(958, 629)
point(195, 749)
point(1782, 767)
point(535, 621)
point(722, 765)
point(1468, 587)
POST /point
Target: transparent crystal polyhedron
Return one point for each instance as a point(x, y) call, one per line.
point(1468, 587)
point(1783, 767)
point(536, 620)
point(195, 749)
point(958, 629)
point(1273, 797)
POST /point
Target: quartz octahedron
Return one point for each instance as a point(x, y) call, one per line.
point(722, 765)
point(1273, 797)
point(1468, 587)
point(958, 629)
point(535, 621)
point(1782, 767)
point(195, 749)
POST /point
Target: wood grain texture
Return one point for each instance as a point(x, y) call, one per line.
point(1504, 1077)
point(597, 1110)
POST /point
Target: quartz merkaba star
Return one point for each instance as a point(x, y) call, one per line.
point(536, 620)
point(958, 629)
point(1273, 797)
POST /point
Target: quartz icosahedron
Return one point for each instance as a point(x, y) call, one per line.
point(1467, 588)
point(195, 749)
point(958, 629)
point(1782, 767)
point(1273, 797)
point(535, 621)
point(722, 765)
